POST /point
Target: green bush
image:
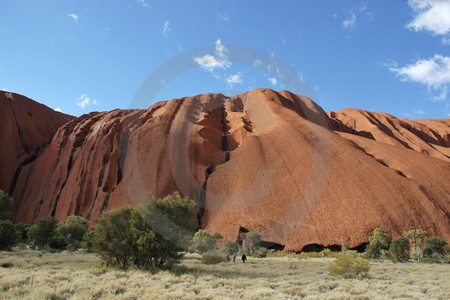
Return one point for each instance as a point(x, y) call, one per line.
point(72, 232)
point(8, 236)
point(113, 236)
point(44, 234)
point(6, 204)
point(213, 257)
point(416, 238)
point(231, 248)
point(261, 252)
point(377, 242)
point(151, 236)
point(252, 241)
point(399, 249)
point(22, 232)
point(203, 241)
point(436, 250)
point(349, 265)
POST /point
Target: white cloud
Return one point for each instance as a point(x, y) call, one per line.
point(257, 63)
point(445, 41)
point(84, 101)
point(352, 16)
point(273, 81)
point(433, 72)
point(223, 16)
point(350, 22)
point(58, 109)
point(430, 15)
point(73, 16)
point(143, 3)
point(417, 112)
point(234, 79)
point(219, 60)
point(165, 28)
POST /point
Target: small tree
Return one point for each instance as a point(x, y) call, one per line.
point(152, 236)
point(231, 248)
point(416, 238)
point(44, 233)
point(399, 249)
point(435, 245)
point(6, 204)
point(8, 235)
point(113, 237)
point(349, 265)
point(22, 232)
point(252, 241)
point(377, 242)
point(169, 223)
point(203, 241)
point(73, 231)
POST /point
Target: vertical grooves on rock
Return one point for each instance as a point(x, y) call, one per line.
point(55, 203)
point(28, 160)
point(18, 128)
point(202, 202)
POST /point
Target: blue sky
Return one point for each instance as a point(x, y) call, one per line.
point(84, 55)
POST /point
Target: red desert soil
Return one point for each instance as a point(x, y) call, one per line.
point(263, 160)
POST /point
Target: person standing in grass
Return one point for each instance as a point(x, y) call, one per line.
point(244, 258)
point(234, 257)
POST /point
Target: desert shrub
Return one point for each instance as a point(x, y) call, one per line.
point(436, 250)
point(22, 232)
point(6, 204)
point(231, 248)
point(252, 241)
point(213, 257)
point(377, 242)
point(8, 235)
point(44, 233)
point(310, 254)
point(261, 252)
point(399, 249)
point(203, 241)
point(349, 265)
point(72, 231)
point(113, 237)
point(169, 222)
point(415, 238)
point(152, 236)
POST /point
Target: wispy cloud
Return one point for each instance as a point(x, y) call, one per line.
point(433, 72)
point(223, 16)
point(430, 15)
point(143, 3)
point(350, 21)
point(84, 101)
point(165, 28)
point(73, 16)
point(219, 60)
point(234, 79)
point(58, 109)
point(351, 16)
point(417, 112)
point(273, 81)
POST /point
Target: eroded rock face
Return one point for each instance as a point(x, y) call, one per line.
point(26, 127)
point(263, 160)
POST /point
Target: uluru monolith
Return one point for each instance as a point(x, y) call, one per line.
point(268, 161)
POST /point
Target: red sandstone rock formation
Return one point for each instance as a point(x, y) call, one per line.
point(263, 160)
point(26, 127)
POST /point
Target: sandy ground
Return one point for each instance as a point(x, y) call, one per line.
point(37, 275)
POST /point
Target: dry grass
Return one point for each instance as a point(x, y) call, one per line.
point(36, 275)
